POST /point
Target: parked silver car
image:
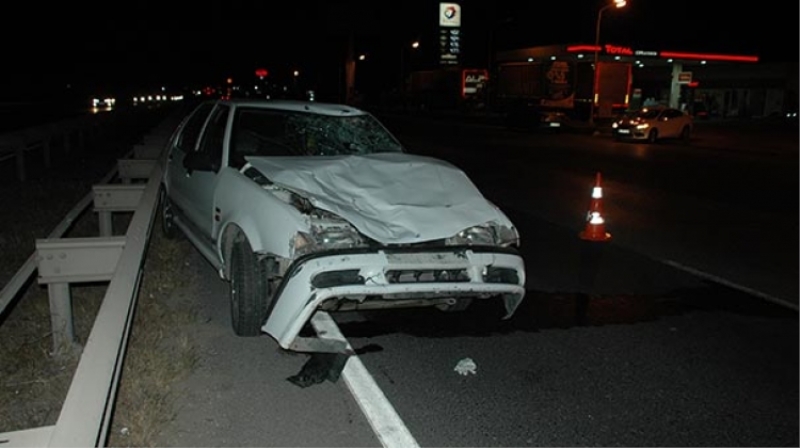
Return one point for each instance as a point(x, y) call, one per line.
point(303, 206)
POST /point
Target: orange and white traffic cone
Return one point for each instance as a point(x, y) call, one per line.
point(595, 223)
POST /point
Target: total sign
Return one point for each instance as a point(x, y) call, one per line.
point(449, 14)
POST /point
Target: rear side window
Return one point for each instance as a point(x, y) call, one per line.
point(187, 139)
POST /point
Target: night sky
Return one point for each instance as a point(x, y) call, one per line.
point(128, 47)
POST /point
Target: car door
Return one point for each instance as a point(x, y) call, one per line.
point(672, 123)
point(200, 180)
point(201, 167)
point(184, 143)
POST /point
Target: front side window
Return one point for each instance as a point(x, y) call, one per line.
point(189, 135)
point(673, 113)
point(649, 113)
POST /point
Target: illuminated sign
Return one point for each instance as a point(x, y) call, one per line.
point(473, 82)
point(449, 14)
point(615, 49)
point(449, 33)
point(582, 48)
point(684, 78)
point(559, 84)
point(709, 57)
point(619, 50)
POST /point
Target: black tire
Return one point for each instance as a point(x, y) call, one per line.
point(686, 134)
point(652, 136)
point(251, 290)
point(460, 305)
point(167, 215)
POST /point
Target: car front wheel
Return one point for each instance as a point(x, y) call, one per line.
point(251, 288)
point(457, 306)
point(685, 133)
point(652, 136)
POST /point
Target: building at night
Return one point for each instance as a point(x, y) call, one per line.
point(705, 84)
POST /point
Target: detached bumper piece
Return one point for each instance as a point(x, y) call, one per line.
point(389, 278)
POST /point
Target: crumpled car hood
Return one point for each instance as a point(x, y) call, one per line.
point(389, 197)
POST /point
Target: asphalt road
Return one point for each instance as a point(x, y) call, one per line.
point(724, 206)
point(638, 353)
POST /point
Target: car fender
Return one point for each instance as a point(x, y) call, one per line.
point(268, 223)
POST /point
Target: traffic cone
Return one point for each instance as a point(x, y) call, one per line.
point(595, 223)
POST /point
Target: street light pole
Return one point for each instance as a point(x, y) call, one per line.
point(402, 69)
point(616, 4)
point(414, 45)
point(490, 58)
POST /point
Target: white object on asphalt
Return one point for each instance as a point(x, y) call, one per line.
point(466, 366)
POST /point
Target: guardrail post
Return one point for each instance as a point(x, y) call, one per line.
point(62, 261)
point(146, 151)
point(67, 141)
point(105, 223)
point(61, 316)
point(46, 151)
point(19, 151)
point(130, 169)
point(81, 139)
point(114, 198)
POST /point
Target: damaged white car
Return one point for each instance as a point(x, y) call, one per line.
point(305, 206)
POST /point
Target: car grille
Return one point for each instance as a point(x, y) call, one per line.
point(427, 275)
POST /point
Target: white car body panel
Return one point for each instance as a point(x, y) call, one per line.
point(268, 222)
point(393, 198)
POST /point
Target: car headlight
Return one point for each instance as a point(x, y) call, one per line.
point(490, 234)
point(614, 125)
point(642, 126)
point(322, 238)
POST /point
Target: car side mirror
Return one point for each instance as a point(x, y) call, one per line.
point(200, 161)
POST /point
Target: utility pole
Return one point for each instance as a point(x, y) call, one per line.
point(350, 70)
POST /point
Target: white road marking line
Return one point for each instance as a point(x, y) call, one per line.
point(728, 283)
point(388, 426)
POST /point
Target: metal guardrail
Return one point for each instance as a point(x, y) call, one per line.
point(86, 413)
point(15, 145)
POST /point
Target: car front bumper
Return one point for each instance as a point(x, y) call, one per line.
point(386, 278)
point(631, 133)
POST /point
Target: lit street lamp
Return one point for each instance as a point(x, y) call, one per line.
point(617, 4)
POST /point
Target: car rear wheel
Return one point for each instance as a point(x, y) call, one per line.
point(652, 136)
point(251, 289)
point(167, 215)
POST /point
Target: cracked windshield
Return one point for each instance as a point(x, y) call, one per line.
point(284, 133)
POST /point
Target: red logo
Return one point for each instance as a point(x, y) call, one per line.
point(615, 49)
